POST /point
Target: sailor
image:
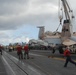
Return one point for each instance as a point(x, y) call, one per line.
point(26, 51)
point(19, 51)
point(53, 48)
point(68, 57)
point(1, 49)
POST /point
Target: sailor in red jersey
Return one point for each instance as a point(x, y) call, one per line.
point(26, 51)
point(68, 57)
point(1, 49)
point(19, 51)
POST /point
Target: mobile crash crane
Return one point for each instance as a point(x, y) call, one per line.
point(67, 14)
point(67, 26)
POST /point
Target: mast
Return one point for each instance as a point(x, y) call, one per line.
point(41, 32)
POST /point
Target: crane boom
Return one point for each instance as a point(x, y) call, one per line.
point(67, 9)
point(67, 30)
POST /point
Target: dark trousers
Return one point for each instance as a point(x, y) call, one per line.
point(26, 54)
point(1, 51)
point(20, 55)
point(68, 59)
point(53, 50)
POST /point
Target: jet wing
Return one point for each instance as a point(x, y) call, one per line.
point(68, 42)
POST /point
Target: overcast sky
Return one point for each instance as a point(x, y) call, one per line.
point(19, 18)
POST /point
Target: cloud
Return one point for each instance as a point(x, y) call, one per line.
point(10, 40)
point(14, 14)
point(20, 39)
point(6, 40)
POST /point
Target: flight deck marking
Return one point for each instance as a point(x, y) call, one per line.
point(8, 65)
point(38, 72)
point(59, 58)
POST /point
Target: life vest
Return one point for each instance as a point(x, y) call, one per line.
point(19, 49)
point(26, 48)
point(66, 52)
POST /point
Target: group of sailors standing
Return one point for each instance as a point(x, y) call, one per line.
point(24, 49)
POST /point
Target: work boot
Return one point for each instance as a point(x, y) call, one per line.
point(64, 66)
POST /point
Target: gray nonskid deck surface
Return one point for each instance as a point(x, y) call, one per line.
point(50, 66)
point(2, 67)
point(18, 67)
point(40, 65)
